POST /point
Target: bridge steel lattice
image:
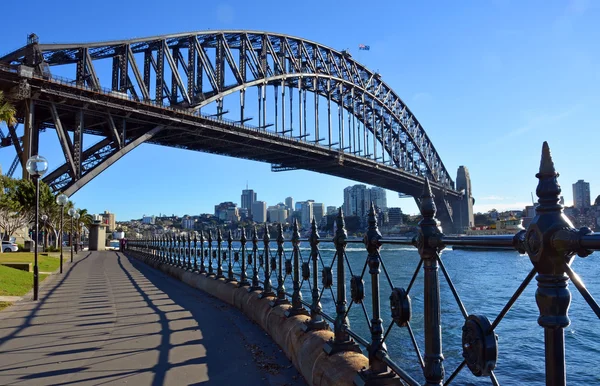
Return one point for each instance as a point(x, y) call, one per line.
point(315, 108)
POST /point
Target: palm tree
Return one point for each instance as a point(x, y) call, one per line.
point(7, 111)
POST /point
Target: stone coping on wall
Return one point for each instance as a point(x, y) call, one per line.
point(304, 349)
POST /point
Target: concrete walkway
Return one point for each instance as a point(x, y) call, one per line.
point(113, 320)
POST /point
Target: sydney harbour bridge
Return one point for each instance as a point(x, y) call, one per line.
point(274, 98)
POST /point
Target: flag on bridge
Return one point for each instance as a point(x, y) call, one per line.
point(363, 47)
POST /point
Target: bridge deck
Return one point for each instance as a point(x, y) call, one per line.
point(111, 320)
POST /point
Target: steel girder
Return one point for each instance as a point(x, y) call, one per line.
point(205, 67)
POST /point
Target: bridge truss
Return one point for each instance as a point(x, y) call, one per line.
point(269, 97)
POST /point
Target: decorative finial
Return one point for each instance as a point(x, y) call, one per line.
point(243, 237)
point(280, 233)
point(371, 217)
point(295, 232)
point(548, 189)
point(546, 164)
point(266, 237)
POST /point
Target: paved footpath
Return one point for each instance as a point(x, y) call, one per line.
point(113, 320)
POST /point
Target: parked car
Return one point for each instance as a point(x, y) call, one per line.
point(8, 246)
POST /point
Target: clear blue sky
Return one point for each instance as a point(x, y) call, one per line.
point(489, 81)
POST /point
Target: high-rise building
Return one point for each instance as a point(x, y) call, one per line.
point(277, 213)
point(306, 213)
point(248, 198)
point(148, 220)
point(221, 210)
point(318, 212)
point(463, 207)
point(289, 202)
point(109, 219)
point(357, 201)
point(259, 211)
point(378, 197)
point(394, 216)
point(581, 195)
point(332, 210)
point(188, 223)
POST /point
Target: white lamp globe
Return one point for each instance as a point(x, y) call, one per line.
point(36, 166)
point(62, 199)
point(72, 212)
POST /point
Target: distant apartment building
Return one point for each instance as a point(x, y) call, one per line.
point(378, 197)
point(151, 220)
point(581, 195)
point(394, 216)
point(318, 212)
point(259, 211)
point(332, 210)
point(306, 213)
point(222, 210)
point(277, 213)
point(357, 200)
point(248, 198)
point(289, 202)
point(233, 214)
point(188, 223)
point(109, 219)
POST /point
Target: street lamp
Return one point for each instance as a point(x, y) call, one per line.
point(76, 217)
point(61, 200)
point(81, 235)
point(44, 218)
point(36, 167)
point(71, 212)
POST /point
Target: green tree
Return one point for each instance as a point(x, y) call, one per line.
point(7, 111)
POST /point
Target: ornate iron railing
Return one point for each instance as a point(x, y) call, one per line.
point(550, 241)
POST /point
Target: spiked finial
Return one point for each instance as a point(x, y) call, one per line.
point(229, 237)
point(254, 235)
point(548, 189)
point(427, 208)
point(210, 236)
point(266, 237)
point(340, 237)
point(372, 217)
point(295, 233)
point(243, 238)
point(219, 235)
point(280, 234)
point(202, 236)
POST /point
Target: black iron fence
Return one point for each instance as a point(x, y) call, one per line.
point(550, 241)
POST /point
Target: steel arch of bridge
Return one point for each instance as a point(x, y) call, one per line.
point(262, 59)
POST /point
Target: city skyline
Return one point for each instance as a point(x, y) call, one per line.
point(495, 130)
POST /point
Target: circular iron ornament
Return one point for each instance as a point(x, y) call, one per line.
point(480, 345)
point(327, 277)
point(357, 289)
point(401, 307)
point(305, 271)
point(533, 243)
point(288, 267)
point(236, 256)
point(273, 263)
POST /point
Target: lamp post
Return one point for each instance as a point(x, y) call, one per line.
point(81, 236)
point(76, 217)
point(61, 200)
point(44, 219)
point(71, 212)
point(36, 167)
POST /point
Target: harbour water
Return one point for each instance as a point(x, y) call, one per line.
point(485, 282)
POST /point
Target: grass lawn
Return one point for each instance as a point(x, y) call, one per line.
point(3, 305)
point(14, 282)
point(48, 263)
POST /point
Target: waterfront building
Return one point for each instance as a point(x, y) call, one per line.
point(222, 209)
point(289, 202)
point(306, 213)
point(318, 212)
point(357, 200)
point(259, 211)
point(232, 214)
point(248, 198)
point(378, 197)
point(394, 216)
point(581, 195)
point(277, 213)
point(188, 223)
point(332, 210)
point(149, 220)
point(109, 219)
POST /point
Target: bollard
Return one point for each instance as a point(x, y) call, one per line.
point(281, 299)
point(243, 277)
point(429, 245)
point(341, 340)
point(268, 290)
point(255, 280)
point(297, 308)
point(316, 321)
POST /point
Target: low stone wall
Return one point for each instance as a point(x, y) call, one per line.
point(20, 266)
point(304, 349)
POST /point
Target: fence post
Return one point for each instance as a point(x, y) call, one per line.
point(297, 308)
point(378, 372)
point(179, 264)
point(210, 256)
point(316, 321)
point(195, 253)
point(189, 252)
point(551, 243)
point(255, 279)
point(281, 299)
point(243, 277)
point(202, 267)
point(219, 261)
point(268, 290)
point(341, 340)
point(229, 261)
point(429, 245)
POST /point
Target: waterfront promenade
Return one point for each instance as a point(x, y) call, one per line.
point(113, 320)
